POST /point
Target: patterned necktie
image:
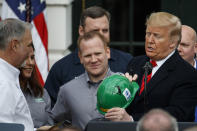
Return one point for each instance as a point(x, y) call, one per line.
point(148, 77)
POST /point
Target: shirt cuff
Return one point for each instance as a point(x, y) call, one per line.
point(131, 119)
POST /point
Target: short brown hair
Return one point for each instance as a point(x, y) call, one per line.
point(91, 35)
point(93, 12)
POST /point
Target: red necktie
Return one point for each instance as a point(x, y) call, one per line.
point(148, 77)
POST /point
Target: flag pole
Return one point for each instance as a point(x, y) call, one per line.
point(83, 5)
point(28, 11)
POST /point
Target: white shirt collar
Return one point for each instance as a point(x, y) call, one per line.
point(195, 64)
point(160, 62)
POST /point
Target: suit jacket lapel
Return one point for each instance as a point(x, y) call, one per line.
point(160, 75)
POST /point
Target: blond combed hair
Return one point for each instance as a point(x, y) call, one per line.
point(164, 19)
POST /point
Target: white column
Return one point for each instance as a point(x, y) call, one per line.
point(0, 5)
point(59, 21)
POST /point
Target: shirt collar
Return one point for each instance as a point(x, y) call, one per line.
point(109, 73)
point(160, 62)
point(29, 88)
point(195, 66)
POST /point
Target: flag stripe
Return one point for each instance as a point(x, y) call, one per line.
point(41, 27)
point(39, 76)
point(40, 54)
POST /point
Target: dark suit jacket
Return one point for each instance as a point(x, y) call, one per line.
point(172, 88)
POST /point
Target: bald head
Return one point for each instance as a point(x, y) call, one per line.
point(189, 32)
point(188, 45)
point(157, 120)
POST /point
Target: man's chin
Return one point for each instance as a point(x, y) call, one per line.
point(149, 54)
point(95, 74)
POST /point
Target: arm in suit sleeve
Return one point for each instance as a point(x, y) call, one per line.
point(184, 99)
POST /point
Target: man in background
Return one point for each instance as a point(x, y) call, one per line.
point(92, 19)
point(188, 45)
point(15, 46)
point(188, 48)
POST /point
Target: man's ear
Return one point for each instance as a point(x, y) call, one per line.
point(173, 44)
point(81, 30)
point(195, 47)
point(108, 52)
point(14, 44)
point(80, 57)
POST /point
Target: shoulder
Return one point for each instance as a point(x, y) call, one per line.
point(71, 58)
point(63, 65)
point(46, 96)
point(185, 67)
point(65, 60)
point(45, 93)
point(177, 61)
point(138, 59)
point(179, 69)
point(119, 60)
point(117, 73)
point(10, 91)
point(120, 53)
point(136, 64)
point(4, 85)
point(184, 74)
point(73, 83)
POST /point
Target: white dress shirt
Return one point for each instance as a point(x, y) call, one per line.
point(13, 106)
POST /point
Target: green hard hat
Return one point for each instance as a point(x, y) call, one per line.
point(115, 91)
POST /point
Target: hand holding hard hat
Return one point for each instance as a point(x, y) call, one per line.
point(115, 91)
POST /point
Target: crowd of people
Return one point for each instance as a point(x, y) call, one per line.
point(168, 85)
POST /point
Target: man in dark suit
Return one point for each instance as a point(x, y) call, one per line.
point(173, 82)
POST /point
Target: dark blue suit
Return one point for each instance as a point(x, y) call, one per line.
point(172, 88)
point(70, 67)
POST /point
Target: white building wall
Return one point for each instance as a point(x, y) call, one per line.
point(59, 23)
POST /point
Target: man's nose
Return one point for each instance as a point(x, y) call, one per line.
point(31, 62)
point(179, 48)
point(101, 32)
point(151, 39)
point(93, 58)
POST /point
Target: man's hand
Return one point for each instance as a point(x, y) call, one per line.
point(131, 78)
point(118, 114)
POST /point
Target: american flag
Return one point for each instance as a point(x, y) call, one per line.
point(32, 11)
